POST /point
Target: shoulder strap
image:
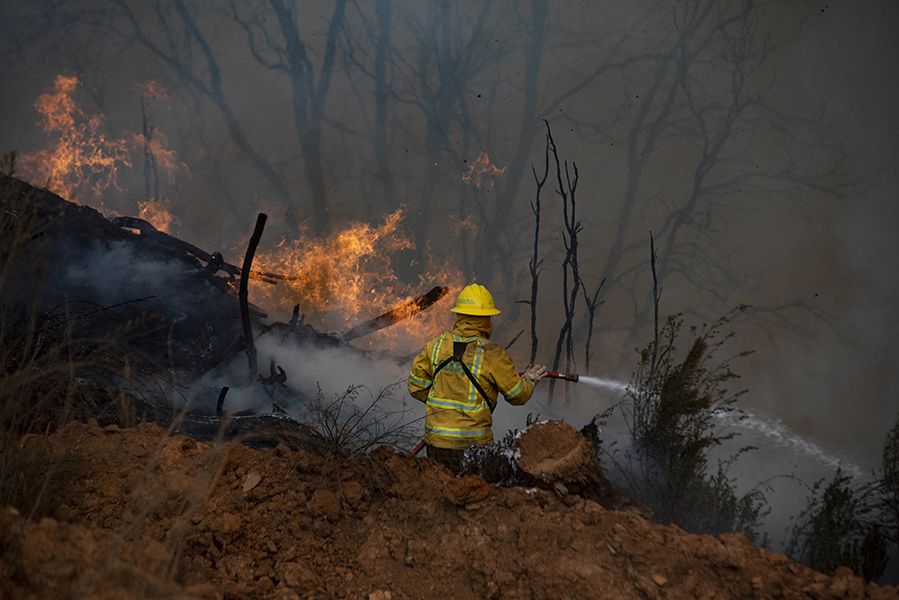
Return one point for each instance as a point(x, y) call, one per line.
point(452, 357)
point(458, 352)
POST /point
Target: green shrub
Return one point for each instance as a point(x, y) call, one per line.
point(856, 526)
point(671, 410)
point(839, 527)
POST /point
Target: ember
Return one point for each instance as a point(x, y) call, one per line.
point(163, 156)
point(152, 90)
point(157, 215)
point(480, 170)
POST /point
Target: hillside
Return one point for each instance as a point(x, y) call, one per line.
point(136, 513)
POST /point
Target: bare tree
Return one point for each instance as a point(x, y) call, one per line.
point(571, 279)
point(728, 162)
point(284, 50)
point(702, 84)
point(176, 33)
point(382, 97)
point(535, 266)
point(592, 303)
point(533, 47)
point(708, 90)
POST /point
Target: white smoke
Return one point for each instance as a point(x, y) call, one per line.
point(313, 375)
point(113, 274)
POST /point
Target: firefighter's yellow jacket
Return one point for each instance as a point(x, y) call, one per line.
point(457, 416)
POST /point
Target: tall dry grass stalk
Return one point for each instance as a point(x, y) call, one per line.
point(49, 372)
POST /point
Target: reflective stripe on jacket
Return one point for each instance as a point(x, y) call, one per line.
point(457, 416)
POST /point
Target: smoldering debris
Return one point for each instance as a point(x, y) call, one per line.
point(171, 314)
point(82, 274)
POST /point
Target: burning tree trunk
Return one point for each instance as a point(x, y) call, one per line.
point(394, 316)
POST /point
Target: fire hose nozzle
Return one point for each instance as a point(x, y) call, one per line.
point(574, 377)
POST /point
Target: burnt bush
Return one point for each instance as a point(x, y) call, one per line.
point(359, 420)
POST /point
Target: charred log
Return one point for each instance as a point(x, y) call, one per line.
point(220, 404)
point(249, 343)
point(394, 316)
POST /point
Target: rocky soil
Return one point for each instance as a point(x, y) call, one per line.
point(122, 513)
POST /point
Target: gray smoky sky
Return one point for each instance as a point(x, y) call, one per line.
point(757, 140)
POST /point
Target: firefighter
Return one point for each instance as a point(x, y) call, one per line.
point(458, 376)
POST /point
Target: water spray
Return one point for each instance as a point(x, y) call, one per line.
point(774, 430)
point(610, 384)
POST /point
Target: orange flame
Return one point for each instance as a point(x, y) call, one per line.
point(82, 159)
point(82, 162)
point(466, 225)
point(340, 281)
point(165, 157)
point(341, 274)
point(348, 277)
point(480, 170)
point(156, 143)
point(151, 89)
point(157, 215)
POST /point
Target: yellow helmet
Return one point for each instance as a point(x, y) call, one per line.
point(475, 300)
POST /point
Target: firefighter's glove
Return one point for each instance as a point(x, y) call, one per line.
point(535, 373)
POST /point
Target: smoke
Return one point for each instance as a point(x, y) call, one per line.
point(314, 375)
point(331, 370)
point(842, 383)
point(116, 273)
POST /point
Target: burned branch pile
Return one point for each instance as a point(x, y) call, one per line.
point(162, 313)
point(89, 277)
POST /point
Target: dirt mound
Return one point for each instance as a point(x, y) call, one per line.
point(136, 513)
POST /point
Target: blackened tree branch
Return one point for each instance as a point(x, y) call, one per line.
point(592, 302)
point(534, 266)
point(571, 281)
point(244, 292)
point(656, 297)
